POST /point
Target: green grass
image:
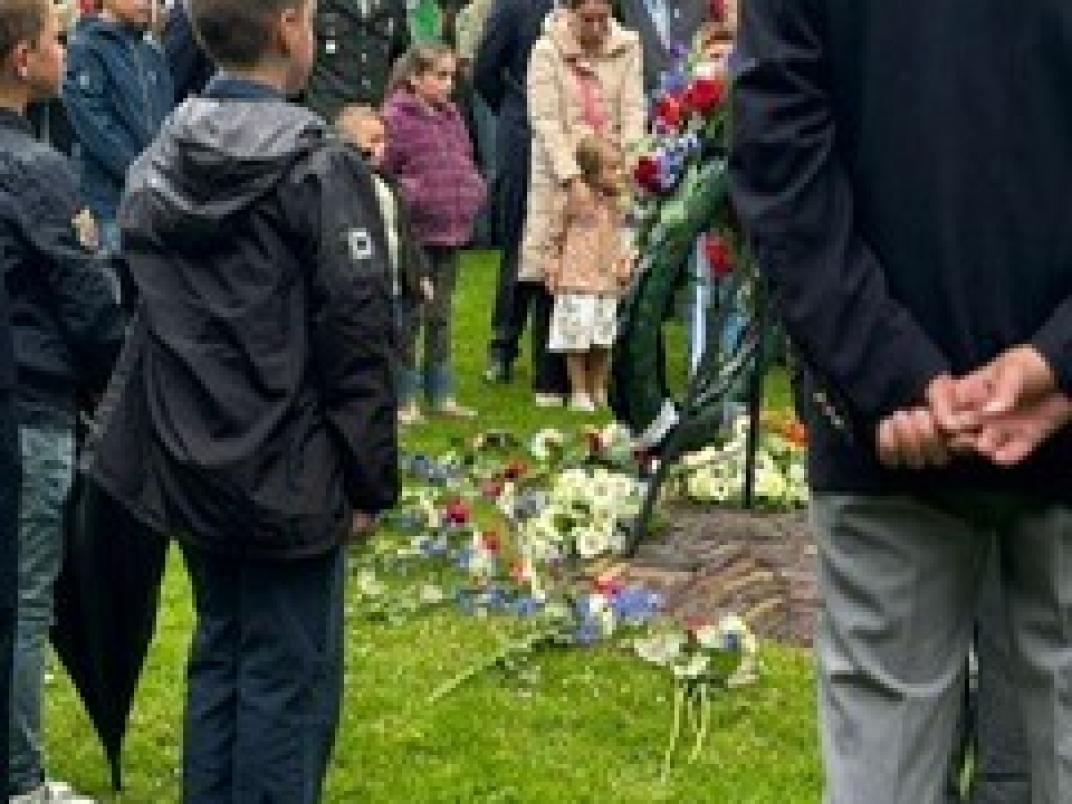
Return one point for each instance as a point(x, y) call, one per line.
point(593, 728)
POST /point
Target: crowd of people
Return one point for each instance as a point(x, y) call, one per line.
point(230, 234)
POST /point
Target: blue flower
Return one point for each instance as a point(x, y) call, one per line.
point(635, 605)
point(527, 606)
point(588, 633)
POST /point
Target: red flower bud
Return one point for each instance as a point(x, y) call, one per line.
point(670, 111)
point(458, 513)
point(646, 174)
point(706, 94)
point(719, 256)
point(607, 586)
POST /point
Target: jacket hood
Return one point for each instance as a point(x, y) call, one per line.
point(557, 28)
point(215, 159)
point(96, 26)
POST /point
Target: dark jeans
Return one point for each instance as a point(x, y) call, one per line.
point(264, 678)
point(10, 477)
point(434, 322)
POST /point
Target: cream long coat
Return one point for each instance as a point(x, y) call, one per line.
point(556, 116)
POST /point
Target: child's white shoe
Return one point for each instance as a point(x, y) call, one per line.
point(410, 415)
point(581, 403)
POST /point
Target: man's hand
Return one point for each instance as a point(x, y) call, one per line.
point(1015, 379)
point(1009, 438)
point(917, 438)
point(1003, 412)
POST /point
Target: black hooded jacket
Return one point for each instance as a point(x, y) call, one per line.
point(904, 170)
point(253, 407)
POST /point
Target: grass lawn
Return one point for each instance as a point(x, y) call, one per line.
point(593, 728)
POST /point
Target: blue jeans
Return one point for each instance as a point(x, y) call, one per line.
point(264, 682)
point(48, 469)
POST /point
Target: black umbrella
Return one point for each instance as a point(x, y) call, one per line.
point(106, 603)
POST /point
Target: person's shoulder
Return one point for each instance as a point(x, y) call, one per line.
point(39, 180)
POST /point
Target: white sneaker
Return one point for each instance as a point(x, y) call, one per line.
point(547, 400)
point(582, 403)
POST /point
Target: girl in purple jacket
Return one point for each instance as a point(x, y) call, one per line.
point(431, 157)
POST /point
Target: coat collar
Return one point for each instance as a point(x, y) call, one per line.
point(557, 28)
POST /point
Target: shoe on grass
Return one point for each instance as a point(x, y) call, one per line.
point(498, 373)
point(582, 403)
point(548, 400)
point(409, 415)
point(451, 409)
point(51, 793)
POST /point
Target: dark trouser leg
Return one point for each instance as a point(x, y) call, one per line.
point(438, 329)
point(548, 368)
point(511, 298)
point(290, 677)
point(407, 323)
point(209, 739)
point(1002, 766)
point(10, 471)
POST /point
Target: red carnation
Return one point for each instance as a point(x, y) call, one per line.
point(670, 112)
point(458, 513)
point(706, 94)
point(719, 256)
point(646, 174)
point(607, 586)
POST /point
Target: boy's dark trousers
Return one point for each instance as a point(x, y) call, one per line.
point(10, 476)
point(264, 678)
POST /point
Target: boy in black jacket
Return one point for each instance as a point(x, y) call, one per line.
point(253, 409)
point(67, 332)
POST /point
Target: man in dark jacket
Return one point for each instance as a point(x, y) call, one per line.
point(117, 92)
point(191, 68)
point(663, 25)
point(357, 42)
point(499, 74)
point(67, 331)
point(253, 407)
point(907, 202)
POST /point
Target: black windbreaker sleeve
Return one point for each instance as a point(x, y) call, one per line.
point(795, 199)
point(351, 321)
point(83, 298)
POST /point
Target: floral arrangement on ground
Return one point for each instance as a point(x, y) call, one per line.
point(529, 532)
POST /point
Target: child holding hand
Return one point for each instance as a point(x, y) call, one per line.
point(590, 267)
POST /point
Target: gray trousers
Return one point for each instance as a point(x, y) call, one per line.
point(900, 582)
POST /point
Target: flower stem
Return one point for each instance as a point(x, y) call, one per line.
point(679, 706)
point(522, 647)
point(705, 723)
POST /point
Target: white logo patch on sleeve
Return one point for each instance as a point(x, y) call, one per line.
point(360, 243)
